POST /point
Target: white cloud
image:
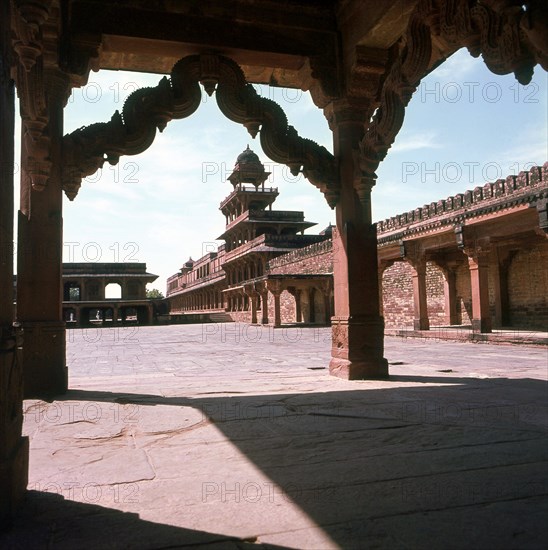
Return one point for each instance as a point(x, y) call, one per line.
point(414, 141)
point(456, 68)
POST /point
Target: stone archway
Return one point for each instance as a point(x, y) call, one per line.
point(370, 87)
point(150, 109)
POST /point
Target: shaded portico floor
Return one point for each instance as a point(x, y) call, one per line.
point(231, 436)
point(464, 333)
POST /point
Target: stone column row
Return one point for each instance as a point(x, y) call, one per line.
point(480, 259)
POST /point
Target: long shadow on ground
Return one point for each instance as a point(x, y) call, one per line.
point(460, 465)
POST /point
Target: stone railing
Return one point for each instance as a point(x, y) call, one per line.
point(266, 216)
point(247, 189)
point(276, 215)
point(491, 193)
point(281, 241)
point(187, 286)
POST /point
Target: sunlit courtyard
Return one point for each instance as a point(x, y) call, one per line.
point(232, 435)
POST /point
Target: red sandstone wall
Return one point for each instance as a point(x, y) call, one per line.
point(397, 288)
point(436, 298)
point(316, 258)
point(287, 308)
point(528, 288)
point(398, 295)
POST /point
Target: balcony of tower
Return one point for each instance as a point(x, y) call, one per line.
point(265, 196)
point(288, 218)
point(267, 243)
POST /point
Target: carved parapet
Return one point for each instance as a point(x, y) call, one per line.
point(149, 109)
point(530, 186)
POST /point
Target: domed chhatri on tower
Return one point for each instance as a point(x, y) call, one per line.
point(248, 169)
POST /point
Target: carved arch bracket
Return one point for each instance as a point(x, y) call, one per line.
point(510, 36)
point(148, 109)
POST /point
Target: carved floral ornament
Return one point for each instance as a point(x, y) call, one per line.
point(29, 17)
point(511, 36)
point(148, 109)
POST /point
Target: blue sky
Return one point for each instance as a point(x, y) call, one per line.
point(464, 126)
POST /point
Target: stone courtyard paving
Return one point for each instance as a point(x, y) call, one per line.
point(233, 436)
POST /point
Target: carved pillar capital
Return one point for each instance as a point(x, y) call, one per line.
point(274, 286)
point(344, 112)
point(478, 252)
point(414, 254)
point(57, 85)
point(27, 20)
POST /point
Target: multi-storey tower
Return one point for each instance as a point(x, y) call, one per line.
point(254, 232)
point(235, 277)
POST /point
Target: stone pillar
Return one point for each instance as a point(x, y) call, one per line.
point(277, 312)
point(420, 306)
point(327, 307)
point(450, 295)
point(500, 262)
point(298, 306)
point(358, 329)
point(275, 288)
point(14, 449)
point(325, 289)
point(264, 297)
point(478, 264)
point(102, 286)
point(252, 295)
point(312, 305)
point(39, 257)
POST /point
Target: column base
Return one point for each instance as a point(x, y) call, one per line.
point(357, 348)
point(13, 481)
point(481, 325)
point(45, 372)
point(359, 370)
point(421, 324)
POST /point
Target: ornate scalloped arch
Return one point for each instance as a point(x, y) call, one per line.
point(149, 109)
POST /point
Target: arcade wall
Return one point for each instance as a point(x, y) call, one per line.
point(527, 292)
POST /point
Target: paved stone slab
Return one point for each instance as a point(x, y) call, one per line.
point(232, 436)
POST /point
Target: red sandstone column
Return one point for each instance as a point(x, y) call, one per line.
point(420, 306)
point(277, 313)
point(478, 263)
point(14, 450)
point(450, 295)
point(253, 299)
point(275, 289)
point(298, 306)
point(500, 263)
point(358, 329)
point(39, 259)
point(264, 297)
